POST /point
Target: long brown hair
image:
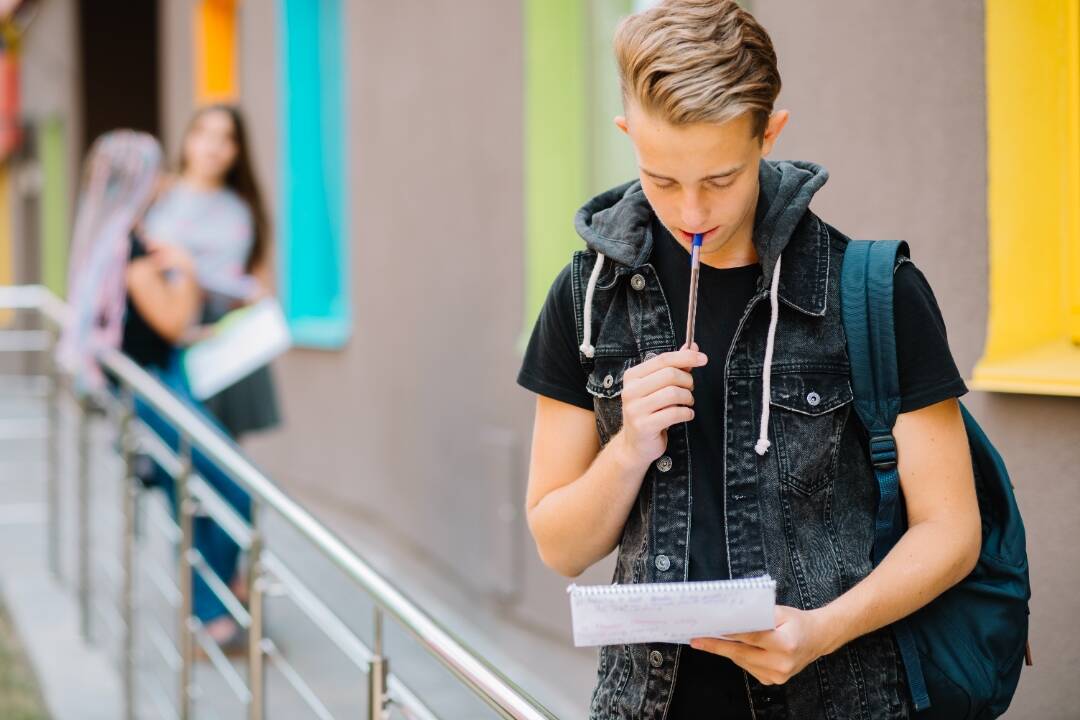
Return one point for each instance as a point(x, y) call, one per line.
point(240, 178)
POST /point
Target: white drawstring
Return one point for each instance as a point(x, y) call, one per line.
point(586, 346)
point(763, 443)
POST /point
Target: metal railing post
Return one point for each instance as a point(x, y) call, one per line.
point(52, 461)
point(256, 587)
point(129, 497)
point(186, 505)
point(83, 518)
point(378, 668)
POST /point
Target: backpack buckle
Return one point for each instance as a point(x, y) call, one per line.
point(883, 451)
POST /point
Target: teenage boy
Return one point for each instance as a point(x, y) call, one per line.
point(740, 455)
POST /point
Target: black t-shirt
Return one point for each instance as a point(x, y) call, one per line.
point(140, 341)
point(927, 374)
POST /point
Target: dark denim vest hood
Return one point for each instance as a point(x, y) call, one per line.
point(617, 222)
point(799, 505)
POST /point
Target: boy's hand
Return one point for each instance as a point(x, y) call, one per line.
point(656, 395)
point(774, 656)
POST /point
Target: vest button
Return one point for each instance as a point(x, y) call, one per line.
point(812, 398)
point(663, 464)
point(608, 381)
point(656, 658)
point(649, 355)
point(663, 563)
point(638, 282)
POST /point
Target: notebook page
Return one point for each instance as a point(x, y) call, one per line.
point(670, 612)
point(243, 342)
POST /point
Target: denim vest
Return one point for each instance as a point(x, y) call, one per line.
point(803, 512)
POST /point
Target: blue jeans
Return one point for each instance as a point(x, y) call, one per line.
point(217, 548)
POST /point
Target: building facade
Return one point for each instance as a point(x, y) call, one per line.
point(423, 160)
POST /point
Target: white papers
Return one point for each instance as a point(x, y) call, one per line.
point(670, 612)
point(243, 341)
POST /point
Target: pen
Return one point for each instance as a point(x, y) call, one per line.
point(695, 267)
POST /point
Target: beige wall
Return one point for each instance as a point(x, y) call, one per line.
point(177, 79)
point(417, 434)
point(434, 199)
point(890, 97)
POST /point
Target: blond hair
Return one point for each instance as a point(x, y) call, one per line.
point(692, 61)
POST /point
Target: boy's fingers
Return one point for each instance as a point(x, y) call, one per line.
point(663, 419)
point(676, 358)
point(669, 396)
point(662, 378)
point(757, 639)
point(736, 651)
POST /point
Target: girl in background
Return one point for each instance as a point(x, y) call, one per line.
point(213, 209)
point(128, 292)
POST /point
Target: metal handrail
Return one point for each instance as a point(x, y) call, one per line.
point(476, 673)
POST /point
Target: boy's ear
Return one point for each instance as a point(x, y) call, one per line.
point(773, 128)
point(620, 122)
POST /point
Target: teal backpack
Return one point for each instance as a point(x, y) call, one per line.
point(962, 652)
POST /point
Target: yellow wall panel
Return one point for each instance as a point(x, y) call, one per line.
point(1033, 195)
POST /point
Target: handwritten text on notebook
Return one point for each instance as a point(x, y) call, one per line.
point(670, 612)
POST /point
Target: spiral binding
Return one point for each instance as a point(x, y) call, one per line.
point(751, 583)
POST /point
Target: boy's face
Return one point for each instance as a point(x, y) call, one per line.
point(703, 178)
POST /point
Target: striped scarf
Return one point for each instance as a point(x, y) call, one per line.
point(121, 175)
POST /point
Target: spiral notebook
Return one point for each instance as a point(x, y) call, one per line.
point(670, 612)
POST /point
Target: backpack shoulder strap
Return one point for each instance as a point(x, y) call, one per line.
point(866, 301)
point(866, 305)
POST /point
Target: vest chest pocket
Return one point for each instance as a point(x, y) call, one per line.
point(605, 384)
point(808, 414)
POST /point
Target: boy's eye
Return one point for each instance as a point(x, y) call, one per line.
point(720, 186)
point(663, 185)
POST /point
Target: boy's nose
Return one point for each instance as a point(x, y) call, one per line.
point(694, 212)
point(694, 217)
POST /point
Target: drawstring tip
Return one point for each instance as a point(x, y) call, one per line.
point(762, 446)
point(587, 350)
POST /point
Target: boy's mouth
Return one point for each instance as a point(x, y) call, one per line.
point(705, 235)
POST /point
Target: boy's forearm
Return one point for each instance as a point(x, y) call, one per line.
point(914, 572)
point(581, 522)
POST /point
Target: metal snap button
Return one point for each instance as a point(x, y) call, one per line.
point(663, 563)
point(637, 282)
point(650, 355)
point(812, 398)
point(608, 381)
point(663, 464)
point(656, 658)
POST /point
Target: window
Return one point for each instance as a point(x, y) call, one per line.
point(314, 261)
point(1033, 198)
